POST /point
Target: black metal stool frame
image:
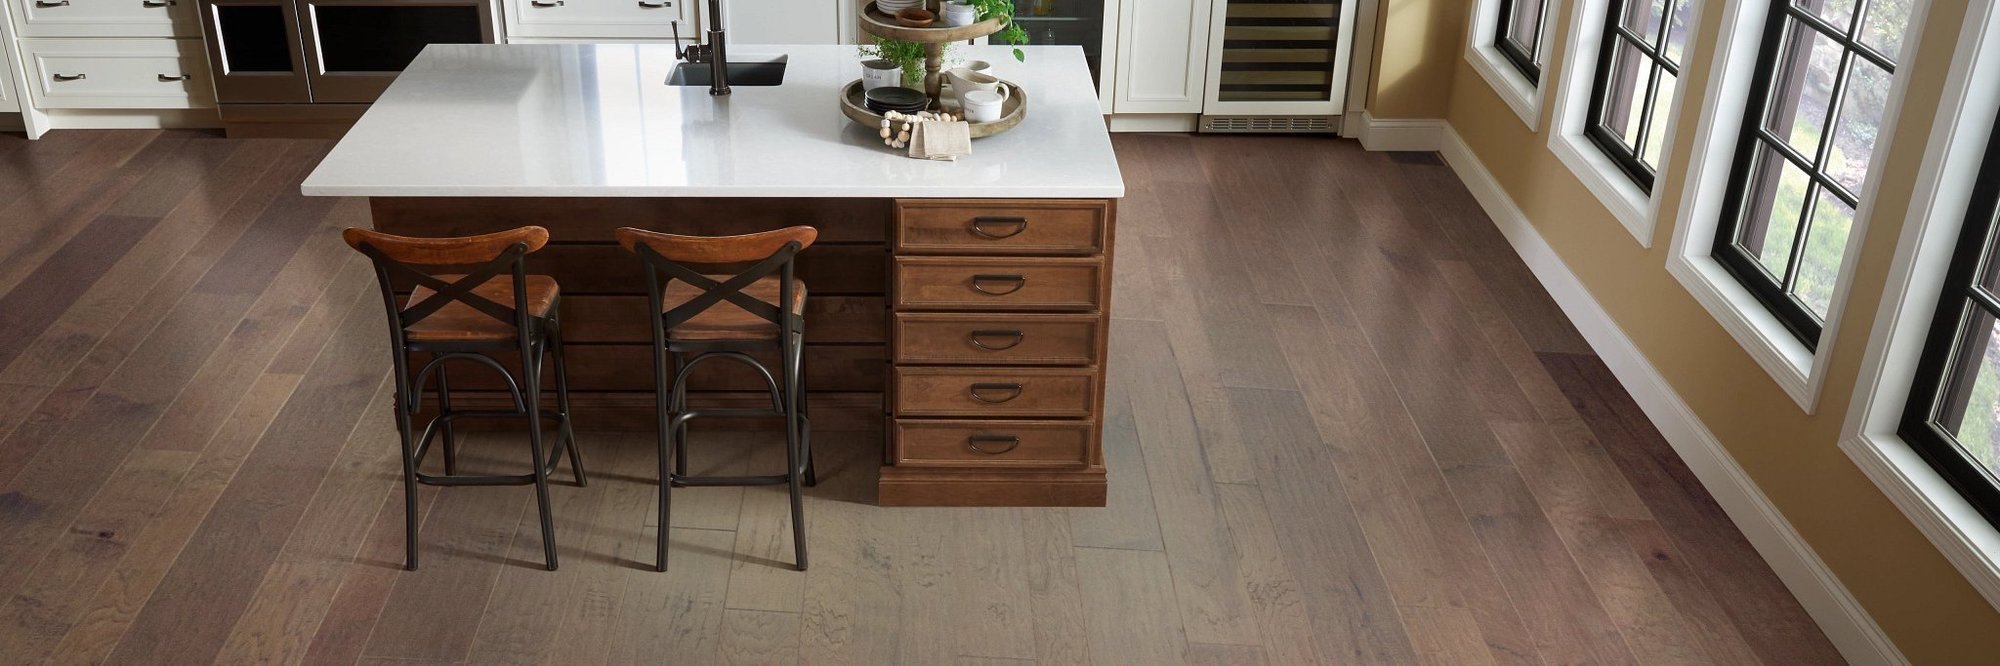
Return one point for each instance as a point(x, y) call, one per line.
point(536, 337)
point(787, 401)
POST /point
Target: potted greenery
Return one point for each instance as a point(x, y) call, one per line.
point(1013, 33)
point(907, 55)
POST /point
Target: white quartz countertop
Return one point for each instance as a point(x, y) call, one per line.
point(598, 120)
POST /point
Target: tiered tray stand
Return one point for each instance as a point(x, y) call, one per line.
point(879, 24)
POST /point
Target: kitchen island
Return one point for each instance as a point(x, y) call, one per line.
point(959, 307)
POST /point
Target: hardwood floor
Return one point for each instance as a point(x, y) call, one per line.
point(1345, 426)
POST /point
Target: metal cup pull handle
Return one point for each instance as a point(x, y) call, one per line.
point(171, 79)
point(539, 3)
point(45, 4)
point(654, 5)
point(975, 441)
point(977, 338)
point(68, 77)
point(1018, 280)
point(979, 225)
point(156, 4)
point(1013, 390)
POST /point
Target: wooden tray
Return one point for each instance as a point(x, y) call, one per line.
point(1011, 111)
point(879, 24)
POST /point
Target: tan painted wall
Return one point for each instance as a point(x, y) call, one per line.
point(1417, 45)
point(1929, 610)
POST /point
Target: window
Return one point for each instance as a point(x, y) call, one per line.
point(1637, 80)
point(1953, 419)
point(1816, 106)
point(1518, 35)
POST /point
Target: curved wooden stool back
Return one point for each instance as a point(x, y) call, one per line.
point(401, 257)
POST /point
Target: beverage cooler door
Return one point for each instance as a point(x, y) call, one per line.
point(1282, 57)
point(355, 48)
point(1064, 22)
point(253, 51)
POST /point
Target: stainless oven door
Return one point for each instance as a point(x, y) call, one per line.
point(355, 48)
point(253, 51)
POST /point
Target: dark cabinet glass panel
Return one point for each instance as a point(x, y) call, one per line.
point(255, 38)
point(385, 38)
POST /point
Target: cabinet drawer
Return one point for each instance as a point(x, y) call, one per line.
point(117, 73)
point(996, 392)
point(981, 339)
point(108, 18)
point(994, 444)
point(600, 19)
point(1014, 283)
point(948, 226)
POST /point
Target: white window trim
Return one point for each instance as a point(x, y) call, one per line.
point(1514, 88)
point(1795, 368)
point(1923, 257)
point(1634, 208)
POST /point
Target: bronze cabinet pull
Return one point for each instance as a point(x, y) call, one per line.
point(156, 4)
point(170, 79)
point(68, 77)
point(1013, 391)
point(979, 225)
point(995, 333)
point(539, 3)
point(45, 4)
point(653, 5)
point(974, 442)
point(1017, 279)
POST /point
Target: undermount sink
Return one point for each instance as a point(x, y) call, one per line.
point(761, 72)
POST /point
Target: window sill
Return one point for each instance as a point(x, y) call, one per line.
point(1965, 537)
point(1794, 367)
point(1516, 90)
point(1635, 209)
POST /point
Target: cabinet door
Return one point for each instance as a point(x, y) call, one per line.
point(600, 20)
point(117, 73)
point(781, 21)
point(1162, 56)
point(107, 18)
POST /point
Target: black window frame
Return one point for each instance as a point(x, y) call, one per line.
point(1523, 58)
point(1941, 356)
point(1795, 315)
point(1607, 139)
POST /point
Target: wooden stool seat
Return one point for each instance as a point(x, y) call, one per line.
point(727, 321)
point(458, 322)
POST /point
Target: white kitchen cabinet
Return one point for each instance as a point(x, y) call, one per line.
point(9, 101)
point(106, 18)
point(117, 73)
point(781, 21)
point(599, 20)
point(1162, 61)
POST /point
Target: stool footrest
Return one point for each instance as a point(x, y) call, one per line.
point(463, 480)
point(771, 480)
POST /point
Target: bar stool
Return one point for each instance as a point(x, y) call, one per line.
point(700, 317)
point(492, 308)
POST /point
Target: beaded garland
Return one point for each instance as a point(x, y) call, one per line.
point(900, 138)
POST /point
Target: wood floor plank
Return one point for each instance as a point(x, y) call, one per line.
point(759, 637)
point(1129, 607)
point(1210, 591)
point(1054, 595)
point(1352, 612)
point(762, 574)
point(678, 612)
point(1282, 617)
point(1126, 520)
point(851, 602)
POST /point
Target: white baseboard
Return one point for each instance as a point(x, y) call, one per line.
point(1396, 133)
point(1845, 622)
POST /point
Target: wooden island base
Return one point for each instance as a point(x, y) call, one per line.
point(971, 333)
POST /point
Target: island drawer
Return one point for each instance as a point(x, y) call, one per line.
point(960, 226)
point(1010, 283)
point(995, 444)
point(89, 18)
point(984, 339)
point(996, 392)
point(595, 18)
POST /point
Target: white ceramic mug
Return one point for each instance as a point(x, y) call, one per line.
point(964, 80)
point(981, 106)
point(880, 73)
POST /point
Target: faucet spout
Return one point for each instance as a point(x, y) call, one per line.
point(718, 50)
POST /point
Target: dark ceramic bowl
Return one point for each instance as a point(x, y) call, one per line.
point(892, 98)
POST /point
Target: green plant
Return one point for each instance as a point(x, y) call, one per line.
point(1013, 33)
point(907, 55)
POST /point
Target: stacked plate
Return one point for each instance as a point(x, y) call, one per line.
point(890, 98)
point(890, 7)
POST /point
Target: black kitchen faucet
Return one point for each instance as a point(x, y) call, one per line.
point(715, 52)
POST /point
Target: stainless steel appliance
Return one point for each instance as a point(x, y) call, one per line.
point(310, 62)
point(1277, 65)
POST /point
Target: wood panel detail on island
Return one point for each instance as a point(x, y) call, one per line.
point(972, 332)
